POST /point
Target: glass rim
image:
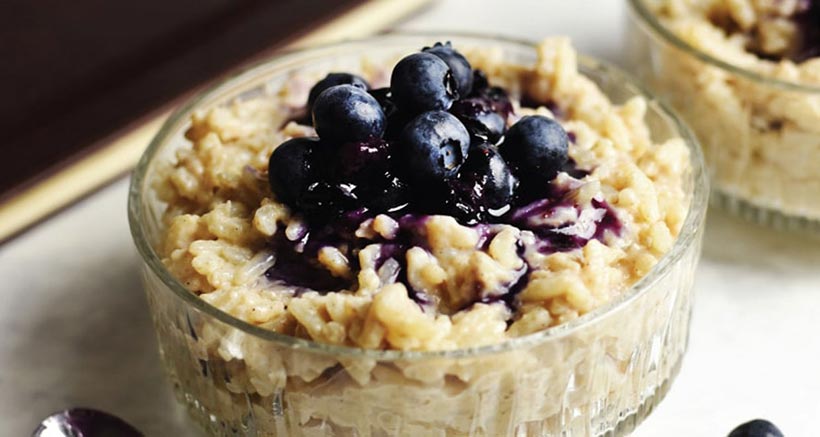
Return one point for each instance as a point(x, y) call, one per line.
point(638, 7)
point(687, 237)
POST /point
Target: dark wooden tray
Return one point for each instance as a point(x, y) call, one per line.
point(85, 83)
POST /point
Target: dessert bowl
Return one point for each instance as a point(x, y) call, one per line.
point(750, 95)
point(599, 372)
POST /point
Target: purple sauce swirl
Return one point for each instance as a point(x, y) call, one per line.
point(557, 222)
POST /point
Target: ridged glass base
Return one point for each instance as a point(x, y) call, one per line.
point(212, 425)
point(630, 422)
point(762, 215)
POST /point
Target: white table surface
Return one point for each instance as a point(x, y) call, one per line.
point(75, 326)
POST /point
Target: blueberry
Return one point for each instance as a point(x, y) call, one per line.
point(396, 120)
point(434, 146)
point(480, 81)
point(479, 118)
point(459, 66)
point(299, 177)
point(334, 79)
point(756, 428)
point(536, 148)
point(396, 123)
point(423, 82)
point(495, 96)
point(385, 98)
point(498, 99)
point(346, 113)
point(484, 187)
point(290, 169)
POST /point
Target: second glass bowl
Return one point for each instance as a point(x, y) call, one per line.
point(760, 135)
point(600, 374)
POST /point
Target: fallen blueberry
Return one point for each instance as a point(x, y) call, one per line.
point(756, 428)
point(84, 422)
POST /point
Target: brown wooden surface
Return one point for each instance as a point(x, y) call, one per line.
point(75, 72)
point(53, 172)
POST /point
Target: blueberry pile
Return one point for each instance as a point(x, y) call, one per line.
point(434, 142)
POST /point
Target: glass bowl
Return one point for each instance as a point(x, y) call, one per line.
point(760, 135)
point(600, 374)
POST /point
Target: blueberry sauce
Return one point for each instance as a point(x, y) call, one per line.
point(389, 251)
point(557, 222)
point(608, 223)
point(561, 225)
point(550, 239)
point(396, 252)
point(296, 258)
point(485, 235)
point(509, 295)
point(297, 265)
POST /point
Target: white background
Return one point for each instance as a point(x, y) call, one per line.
point(74, 327)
